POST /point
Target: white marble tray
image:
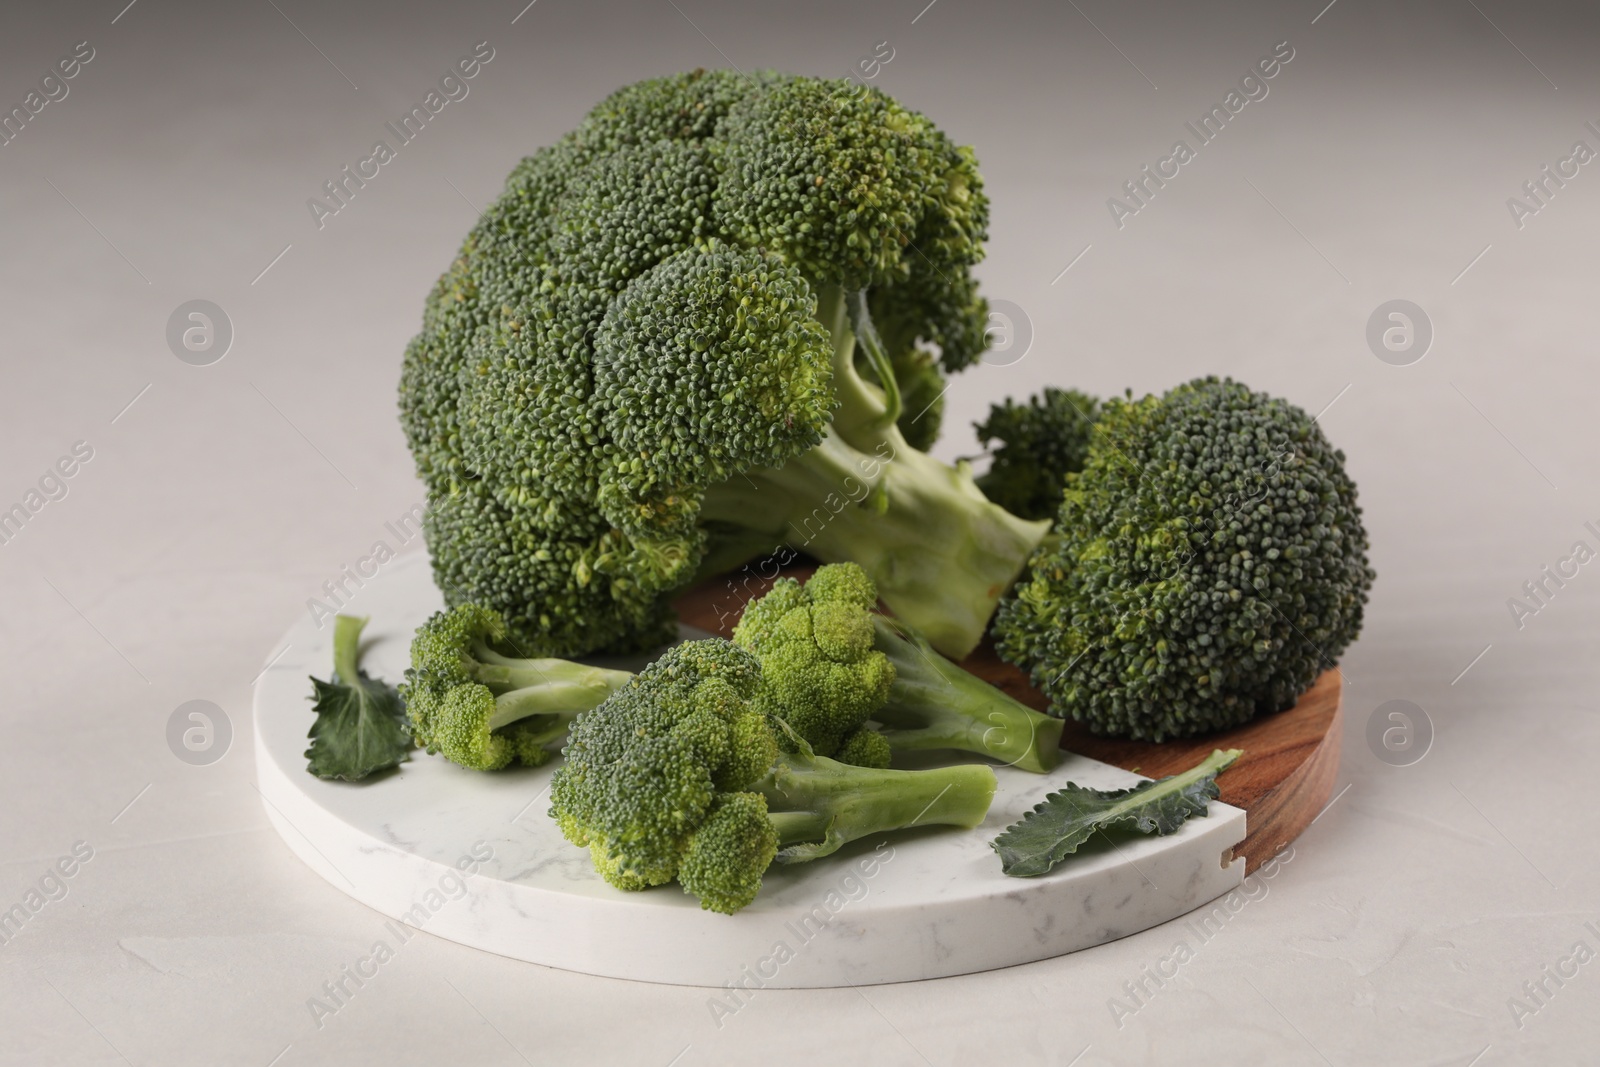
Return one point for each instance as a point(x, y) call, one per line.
point(474, 858)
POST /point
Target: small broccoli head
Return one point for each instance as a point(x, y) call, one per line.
point(815, 643)
point(1041, 442)
point(733, 848)
point(666, 759)
point(443, 664)
point(446, 644)
point(1211, 562)
point(483, 709)
point(865, 747)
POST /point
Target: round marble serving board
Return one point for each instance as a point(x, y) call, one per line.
point(474, 857)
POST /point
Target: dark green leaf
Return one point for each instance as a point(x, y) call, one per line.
point(1066, 819)
point(361, 722)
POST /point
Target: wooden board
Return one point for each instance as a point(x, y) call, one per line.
point(1283, 780)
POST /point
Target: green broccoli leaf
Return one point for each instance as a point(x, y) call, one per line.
point(361, 723)
point(1066, 819)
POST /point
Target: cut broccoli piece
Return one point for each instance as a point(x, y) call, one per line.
point(1041, 442)
point(1210, 562)
point(646, 352)
point(483, 709)
point(832, 664)
point(679, 775)
point(814, 641)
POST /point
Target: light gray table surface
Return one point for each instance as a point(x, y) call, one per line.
point(220, 498)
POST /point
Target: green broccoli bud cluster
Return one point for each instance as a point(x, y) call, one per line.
point(483, 709)
point(815, 644)
point(685, 407)
point(1209, 563)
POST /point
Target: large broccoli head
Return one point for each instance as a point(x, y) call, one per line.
point(652, 319)
point(1211, 562)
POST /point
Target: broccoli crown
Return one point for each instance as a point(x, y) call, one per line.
point(442, 662)
point(707, 366)
point(815, 643)
point(1041, 442)
point(462, 730)
point(655, 779)
point(1210, 562)
point(483, 709)
point(633, 320)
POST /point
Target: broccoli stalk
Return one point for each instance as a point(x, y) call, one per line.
point(483, 709)
point(545, 686)
point(942, 555)
point(934, 704)
point(817, 804)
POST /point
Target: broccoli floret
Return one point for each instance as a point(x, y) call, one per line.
point(483, 709)
point(865, 747)
point(1041, 442)
point(832, 664)
point(823, 676)
point(1211, 562)
point(678, 775)
point(645, 357)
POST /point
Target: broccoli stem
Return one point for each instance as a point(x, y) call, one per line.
point(934, 704)
point(862, 405)
point(566, 697)
point(530, 734)
point(525, 687)
point(347, 647)
point(941, 554)
point(866, 334)
point(818, 804)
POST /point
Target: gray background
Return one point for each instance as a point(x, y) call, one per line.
point(1377, 168)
